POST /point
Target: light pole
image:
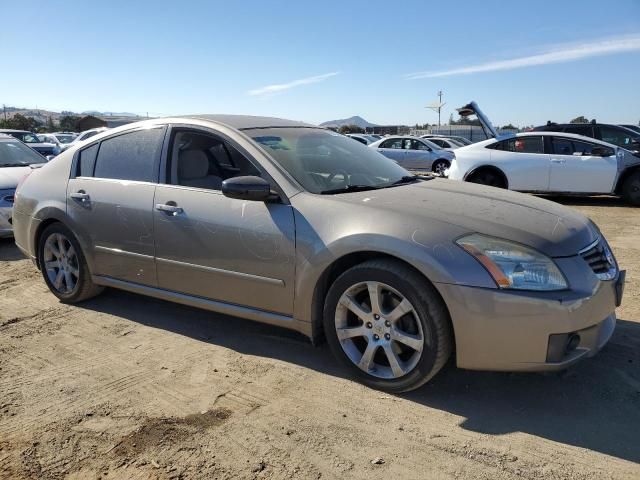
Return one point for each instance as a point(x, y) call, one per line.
point(437, 106)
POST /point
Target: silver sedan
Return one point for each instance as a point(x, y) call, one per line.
point(297, 226)
point(415, 153)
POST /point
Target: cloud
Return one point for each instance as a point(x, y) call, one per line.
point(282, 87)
point(557, 54)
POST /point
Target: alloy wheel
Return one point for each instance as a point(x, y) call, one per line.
point(379, 330)
point(61, 263)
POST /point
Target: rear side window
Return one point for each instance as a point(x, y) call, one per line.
point(87, 161)
point(392, 143)
point(132, 156)
point(519, 145)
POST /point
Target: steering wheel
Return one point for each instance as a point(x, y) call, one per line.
point(345, 177)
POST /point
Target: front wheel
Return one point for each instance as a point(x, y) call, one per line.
point(388, 325)
point(439, 167)
point(631, 189)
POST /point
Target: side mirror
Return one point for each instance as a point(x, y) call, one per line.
point(602, 152)
point(247, 188)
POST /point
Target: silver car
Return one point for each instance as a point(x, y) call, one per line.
point(415, 153)
point(300, 227)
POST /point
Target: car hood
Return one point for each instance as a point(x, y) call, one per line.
point(10, 176)
point(551, 228)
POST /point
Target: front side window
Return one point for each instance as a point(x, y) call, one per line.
point(322, 161)
point(131, 156)
point(202, 160)
point(411, 144)
point(15, 154)
point(520, 145)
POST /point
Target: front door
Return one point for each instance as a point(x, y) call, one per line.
point(417, 155)
point(110, 202)
point(574, 169)
point(215, 247)
point(524, 161)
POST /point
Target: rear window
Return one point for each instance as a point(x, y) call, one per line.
point(132, 156)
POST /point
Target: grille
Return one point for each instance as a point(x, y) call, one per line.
point(600, 259)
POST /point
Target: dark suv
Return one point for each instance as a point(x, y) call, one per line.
point(615, 134)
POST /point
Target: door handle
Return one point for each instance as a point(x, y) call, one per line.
point(558, 160)
point(81, 196)
point(169, 209)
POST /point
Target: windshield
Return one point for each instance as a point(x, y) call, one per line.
point(65, 138)
point(14, 154)
point(30, 138)
point(324, 161)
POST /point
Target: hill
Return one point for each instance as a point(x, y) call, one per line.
point(356, 120)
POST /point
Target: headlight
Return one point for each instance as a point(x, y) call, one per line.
point(513, 265)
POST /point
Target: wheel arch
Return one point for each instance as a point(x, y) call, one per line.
point(626, 173)
point(487, 167)
point(337, 268)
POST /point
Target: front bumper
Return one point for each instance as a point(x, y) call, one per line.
point(528, 331)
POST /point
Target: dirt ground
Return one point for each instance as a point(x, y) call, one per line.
point(134, 388)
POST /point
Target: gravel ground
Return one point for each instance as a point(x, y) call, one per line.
point(129, 387)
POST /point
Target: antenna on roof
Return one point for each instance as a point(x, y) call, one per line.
point(437, 106)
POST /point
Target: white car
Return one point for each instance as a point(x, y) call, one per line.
point(549, 162)
point(362, 138)
point(16, 161)
point(61, 140)
point(456, 138)
point(86, 135)
point(415, 153)
point(444, 142)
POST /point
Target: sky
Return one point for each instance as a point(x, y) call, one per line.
point(524, 63)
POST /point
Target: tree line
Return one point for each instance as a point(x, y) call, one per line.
point(67, 123)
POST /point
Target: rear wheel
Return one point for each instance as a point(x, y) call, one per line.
point(631, 189)
point(439, 166)
point(488, 177)
point(388, 325)
point(63, 265)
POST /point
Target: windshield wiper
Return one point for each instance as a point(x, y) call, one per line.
point(14, 164)
point(406, 179)
point(349, 188)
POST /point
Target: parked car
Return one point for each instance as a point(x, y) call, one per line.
point(444, 143)
point(616, 134)
point(549, 162)
point(62, 139)
point(456, 138)
point(635, 128)
point(296, 226)
point(362, 138)
point(415, 153)
point(32, 140)
point(87, 134)
point(16, 160)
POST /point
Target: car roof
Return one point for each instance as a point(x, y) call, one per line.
point(246, 122)
point(538, 133)
point(5, 136)
point(10, 130)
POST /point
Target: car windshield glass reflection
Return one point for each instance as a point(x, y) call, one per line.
point(14, 154)
point(326, 162)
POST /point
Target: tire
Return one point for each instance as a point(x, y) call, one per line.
point(488, 177)
point(631, 189)
point(68, 277)
point(422, 320)
point(439, 166)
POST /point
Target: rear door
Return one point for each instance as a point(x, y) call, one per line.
point(110, 201)
point(524, 162)
point(575, 169)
